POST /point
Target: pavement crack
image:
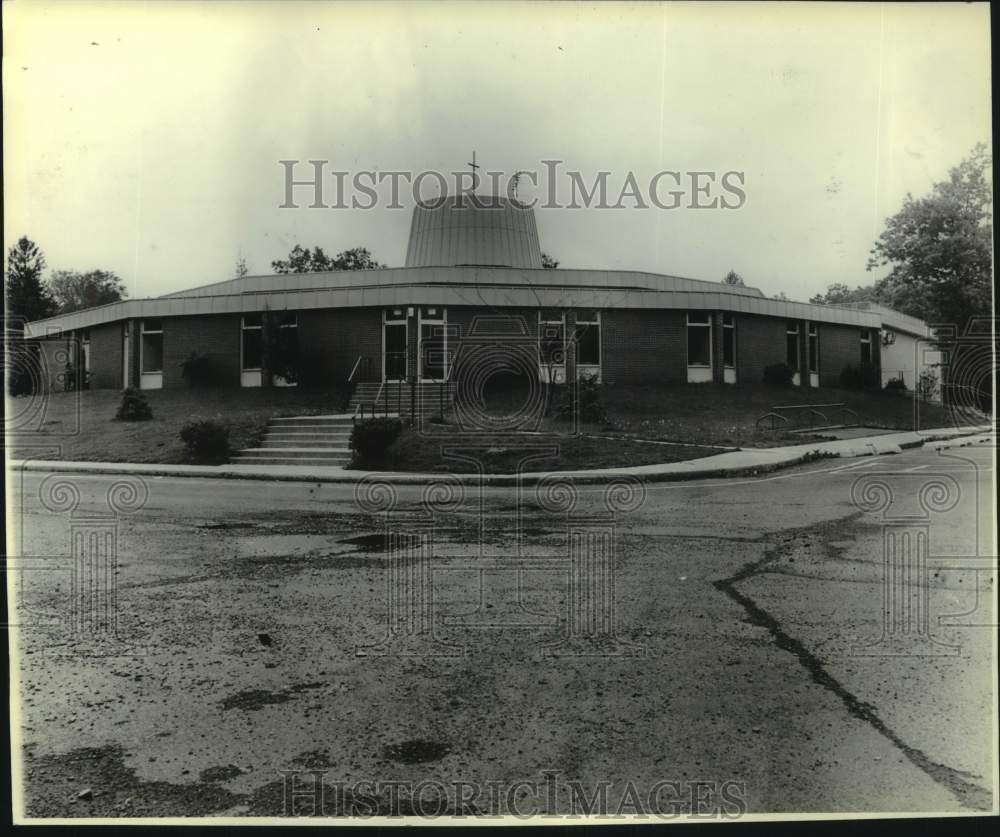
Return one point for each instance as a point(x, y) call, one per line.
point(968, 793)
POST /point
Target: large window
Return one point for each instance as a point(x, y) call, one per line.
point(699, 347)
point(699, 339)
point(792, 346)
point(813, 348)
point(251, 349)
point(588, 338)
point(152, 346)
point(728, 341)
point(151, 354)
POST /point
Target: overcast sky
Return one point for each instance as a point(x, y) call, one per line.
point(145, 138)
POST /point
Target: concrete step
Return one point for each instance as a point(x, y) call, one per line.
point(327, 462)
point(295, 432)
point(310, 421)
point(312, 444)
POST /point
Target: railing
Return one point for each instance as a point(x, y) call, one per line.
point(361, 366)
point(812, 411)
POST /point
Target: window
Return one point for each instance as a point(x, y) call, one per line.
point(728, 341)
point(866, 347)
point(253, 342)
point(551, 337)
point(699, 339)
point(588, 338)
point(151, 346)
point(85, 350)
point(813, 348)
point(792, 346)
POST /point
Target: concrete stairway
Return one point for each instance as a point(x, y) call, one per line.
point(429, 398)
point(302, 440)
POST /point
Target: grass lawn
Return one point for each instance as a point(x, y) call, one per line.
point(719, 414)
point(507, 454)
point(82, 426)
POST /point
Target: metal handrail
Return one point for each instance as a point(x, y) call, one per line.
point(354, 370)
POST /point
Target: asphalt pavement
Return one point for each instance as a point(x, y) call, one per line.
point(734, 637)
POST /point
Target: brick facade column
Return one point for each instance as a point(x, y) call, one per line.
point(717, 339)
point(570, 342)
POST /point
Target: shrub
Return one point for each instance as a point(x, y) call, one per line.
point(198, 370)
point(589, 401)
point(370, 440)
point(896, 385)
point(206, 440)
point(858, 377)
point(927, 385)
point(778, 375)
point(134, 407)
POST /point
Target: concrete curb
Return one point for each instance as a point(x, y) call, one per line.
point(769, 461)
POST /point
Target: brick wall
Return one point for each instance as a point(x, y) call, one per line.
point(339, 336)
point(839, 346)
point(106, 356)
point(217, 337)
point(760, 342)
point(640, 346)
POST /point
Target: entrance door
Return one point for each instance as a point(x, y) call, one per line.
point(394, 351)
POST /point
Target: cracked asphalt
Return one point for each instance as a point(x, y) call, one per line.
point(251, 616)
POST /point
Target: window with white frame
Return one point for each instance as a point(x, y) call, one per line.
point(252, 345)
point(813, 348)
point(792, 345)
point(728, 341)
point(151, 347)
point(588, 338)
point(85, 350)
point(551, 337)
point(699, 339)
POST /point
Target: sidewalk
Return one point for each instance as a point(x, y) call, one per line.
point(747, 462)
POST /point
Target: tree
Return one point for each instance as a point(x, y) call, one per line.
point(548, 262)
point(781, 295)
point(839, 293)
point(939, 248)
point(73, 290)
point(241, 271)
point(25, 294)
point(303, 260)
point(733, 278)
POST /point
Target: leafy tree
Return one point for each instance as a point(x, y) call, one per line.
point(24, 292)
point(241, 271)
point(357, 258)
point(939, 247)
point(733, 278)
point(304, 260)
point(838, 293)
point(73, 290)
point(548, 262)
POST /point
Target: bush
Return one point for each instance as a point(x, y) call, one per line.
point(895, 385)
point(206, 440)
point(859, 377)
point(927, 385)
point(198, 370)
point(75, 378)
point(370, 440)
point(134, 407)
point(590, 402)
point(778, 375)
